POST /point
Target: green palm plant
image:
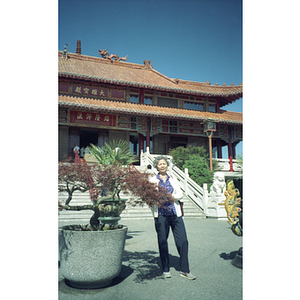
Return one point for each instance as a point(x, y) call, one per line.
point(239, 159)
point(114, 152)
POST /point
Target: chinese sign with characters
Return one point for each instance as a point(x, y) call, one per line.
point(90, 91)
point(92, 119)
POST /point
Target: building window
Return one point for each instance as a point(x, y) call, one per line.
point(134, 98)
point(173, 126)
point(193, 105)
point(169, 102)
point(212, 108)
point(148, 100)
point(133, 123)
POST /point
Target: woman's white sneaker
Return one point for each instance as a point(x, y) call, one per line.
point(167, 275)
point(188, 275)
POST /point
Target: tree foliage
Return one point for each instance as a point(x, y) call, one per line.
point(239, 159)
point(199, 170)
point(196, 159)
point(181, 155)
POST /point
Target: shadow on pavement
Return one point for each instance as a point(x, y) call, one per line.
point(146, 265)
point(67, 289)
point(131, 234)
point(229, 256)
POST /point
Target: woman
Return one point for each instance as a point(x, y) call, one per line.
point(169, 215)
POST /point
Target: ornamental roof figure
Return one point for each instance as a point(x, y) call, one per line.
point(65, 52)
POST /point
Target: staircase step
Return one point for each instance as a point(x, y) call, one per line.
point(191, 210)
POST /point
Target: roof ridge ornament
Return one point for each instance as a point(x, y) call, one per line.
point(148, 64)
point(111, 57)
point(65, 52)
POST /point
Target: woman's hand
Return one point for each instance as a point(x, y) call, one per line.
point(170, 197)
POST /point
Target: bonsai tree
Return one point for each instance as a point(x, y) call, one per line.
point(112, 178)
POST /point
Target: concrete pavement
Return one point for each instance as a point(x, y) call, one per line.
point(212, 246)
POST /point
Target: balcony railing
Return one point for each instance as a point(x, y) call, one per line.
point(224, 165)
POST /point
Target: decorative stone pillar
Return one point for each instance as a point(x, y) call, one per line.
point(216, 198)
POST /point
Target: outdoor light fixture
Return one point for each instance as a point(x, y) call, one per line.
point(209, 128)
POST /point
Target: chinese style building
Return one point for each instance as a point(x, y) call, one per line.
point(107, 98)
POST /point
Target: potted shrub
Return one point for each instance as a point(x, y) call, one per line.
point(91, 254)
point(115, 154)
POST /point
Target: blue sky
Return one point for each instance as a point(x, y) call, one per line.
point(199, 40)
point(271, 83)
point(193, 40)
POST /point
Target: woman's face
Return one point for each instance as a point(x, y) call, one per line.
point(162, 166)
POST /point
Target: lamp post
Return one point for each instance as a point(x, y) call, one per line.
point(209, 128)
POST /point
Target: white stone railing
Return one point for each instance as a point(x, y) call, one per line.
point(224, 165)
point(191, 189)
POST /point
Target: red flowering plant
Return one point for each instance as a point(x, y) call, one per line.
point(107, 181)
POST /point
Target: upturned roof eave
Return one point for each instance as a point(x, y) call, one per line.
point(129, 111)
point(232, 95)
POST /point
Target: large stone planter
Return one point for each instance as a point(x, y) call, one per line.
point(91, 259)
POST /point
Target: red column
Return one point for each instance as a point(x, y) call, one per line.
point(219, 148)
point(230, 150)
point(141, 143)
point(148, 134)
point(233, 150)
point(218, 105)
point(210, 152)
point(141, 96)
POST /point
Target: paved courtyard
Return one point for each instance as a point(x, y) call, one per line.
point(212, 246)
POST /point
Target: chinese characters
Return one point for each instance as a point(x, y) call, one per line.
point(92, 119)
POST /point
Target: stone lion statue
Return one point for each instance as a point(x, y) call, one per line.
point(219, 185)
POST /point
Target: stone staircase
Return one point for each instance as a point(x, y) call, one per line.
point(75, 217)
point(191, 210)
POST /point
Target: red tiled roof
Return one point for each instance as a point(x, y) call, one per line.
point(142, 76)
point(147, 110)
